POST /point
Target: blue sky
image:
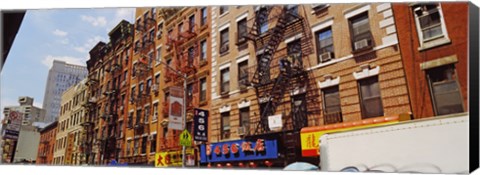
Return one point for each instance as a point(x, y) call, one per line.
point(45, 35)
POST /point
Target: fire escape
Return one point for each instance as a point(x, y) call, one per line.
point(184, 49)
point(280, 78)
point(143, 69)
point(88, 122)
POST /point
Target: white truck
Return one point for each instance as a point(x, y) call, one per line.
point(432, 145)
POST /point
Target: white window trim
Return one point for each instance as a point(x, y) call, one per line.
point(366, 72)
point(436, 41)
point(224, 66)
point(293, 38)
point(243, 58)
point(241, 17)
point(225, 108)
point(224, 26)
point(243, 104)
point(329, 83)
point(356, 11)
point(322, 25)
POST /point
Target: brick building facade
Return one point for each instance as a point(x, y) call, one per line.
point(47, 144)
point(433, 42)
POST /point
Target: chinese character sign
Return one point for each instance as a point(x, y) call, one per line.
point(201, 125)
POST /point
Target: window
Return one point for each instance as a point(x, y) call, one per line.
point(293, 11)
point(135, 147)
point(203, 53)
point(445, 91)
point(262, 20)
point(153, 143)
point(243, 73)
point(180, 27)
point(149, 85)
point(152, 35)
point(189, 94)
point(120, 129)
point(144, 39)
point(225, 81)
point(191, 23)
point(139, 116)
point(140, 89)
point(155, 112)
point(157, 78)
point(294, 51)
point(370, 98)
point(129, 144)
point(331, 105)
point(150, 59)
point(144, 145)
point(223, 9)
point(146, 114)
point(224, 41)
point(132, 96)
point(159, 30)
point(159, 56)
point(137, 46)
point(428, 19)
point(360, 32)
point(165, 132)
point(190, 55)
point(225, 132)
point(242, 30)
point(204, 16)
point(203, 89)
point(325, 45)
point(245, 118)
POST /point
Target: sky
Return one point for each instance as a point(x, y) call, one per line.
point(47, 35)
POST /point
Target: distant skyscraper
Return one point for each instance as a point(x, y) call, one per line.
point(60, 77)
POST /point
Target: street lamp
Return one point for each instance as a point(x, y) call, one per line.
point(184, 109)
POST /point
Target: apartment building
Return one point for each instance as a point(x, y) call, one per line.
point(61, 76)
point(109, 69)
point(433, 39)
point(68, 138)
point(47, 144)
point(21, 118)
point(308, 65)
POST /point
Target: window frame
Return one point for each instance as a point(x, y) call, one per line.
point(362, 98)
point(323, 49)
point(224, 40)
point(203, 93)
point(368, 35)
point(225, 133)
point(224, 83)
point(433, 41)
point(431, 85)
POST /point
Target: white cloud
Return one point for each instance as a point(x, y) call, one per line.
point(88, 45)
point(60, 33)
point(125, 13)
point(95, 21)
point(64, 41)
point(48, 60)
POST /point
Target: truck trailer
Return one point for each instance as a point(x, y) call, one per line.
point(431, 145)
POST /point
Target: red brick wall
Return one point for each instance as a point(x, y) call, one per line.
point(456, 17)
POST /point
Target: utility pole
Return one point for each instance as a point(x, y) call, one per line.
point(184, 108)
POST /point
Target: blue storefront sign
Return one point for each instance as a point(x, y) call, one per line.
point(239, 150)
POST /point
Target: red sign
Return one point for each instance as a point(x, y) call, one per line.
point(260, 145)
point(246, 146)
point(226, 149)
point(217, 150)
point(234, 148)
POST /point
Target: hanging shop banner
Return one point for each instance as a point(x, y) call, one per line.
point(176, 108)
point(9, 134)
point(275, 122)
point(239, 150)
point(200, 120)
point(174, 158)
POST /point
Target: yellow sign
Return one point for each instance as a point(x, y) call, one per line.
point(310, 137)
point(185, 138)
point(171, 158)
